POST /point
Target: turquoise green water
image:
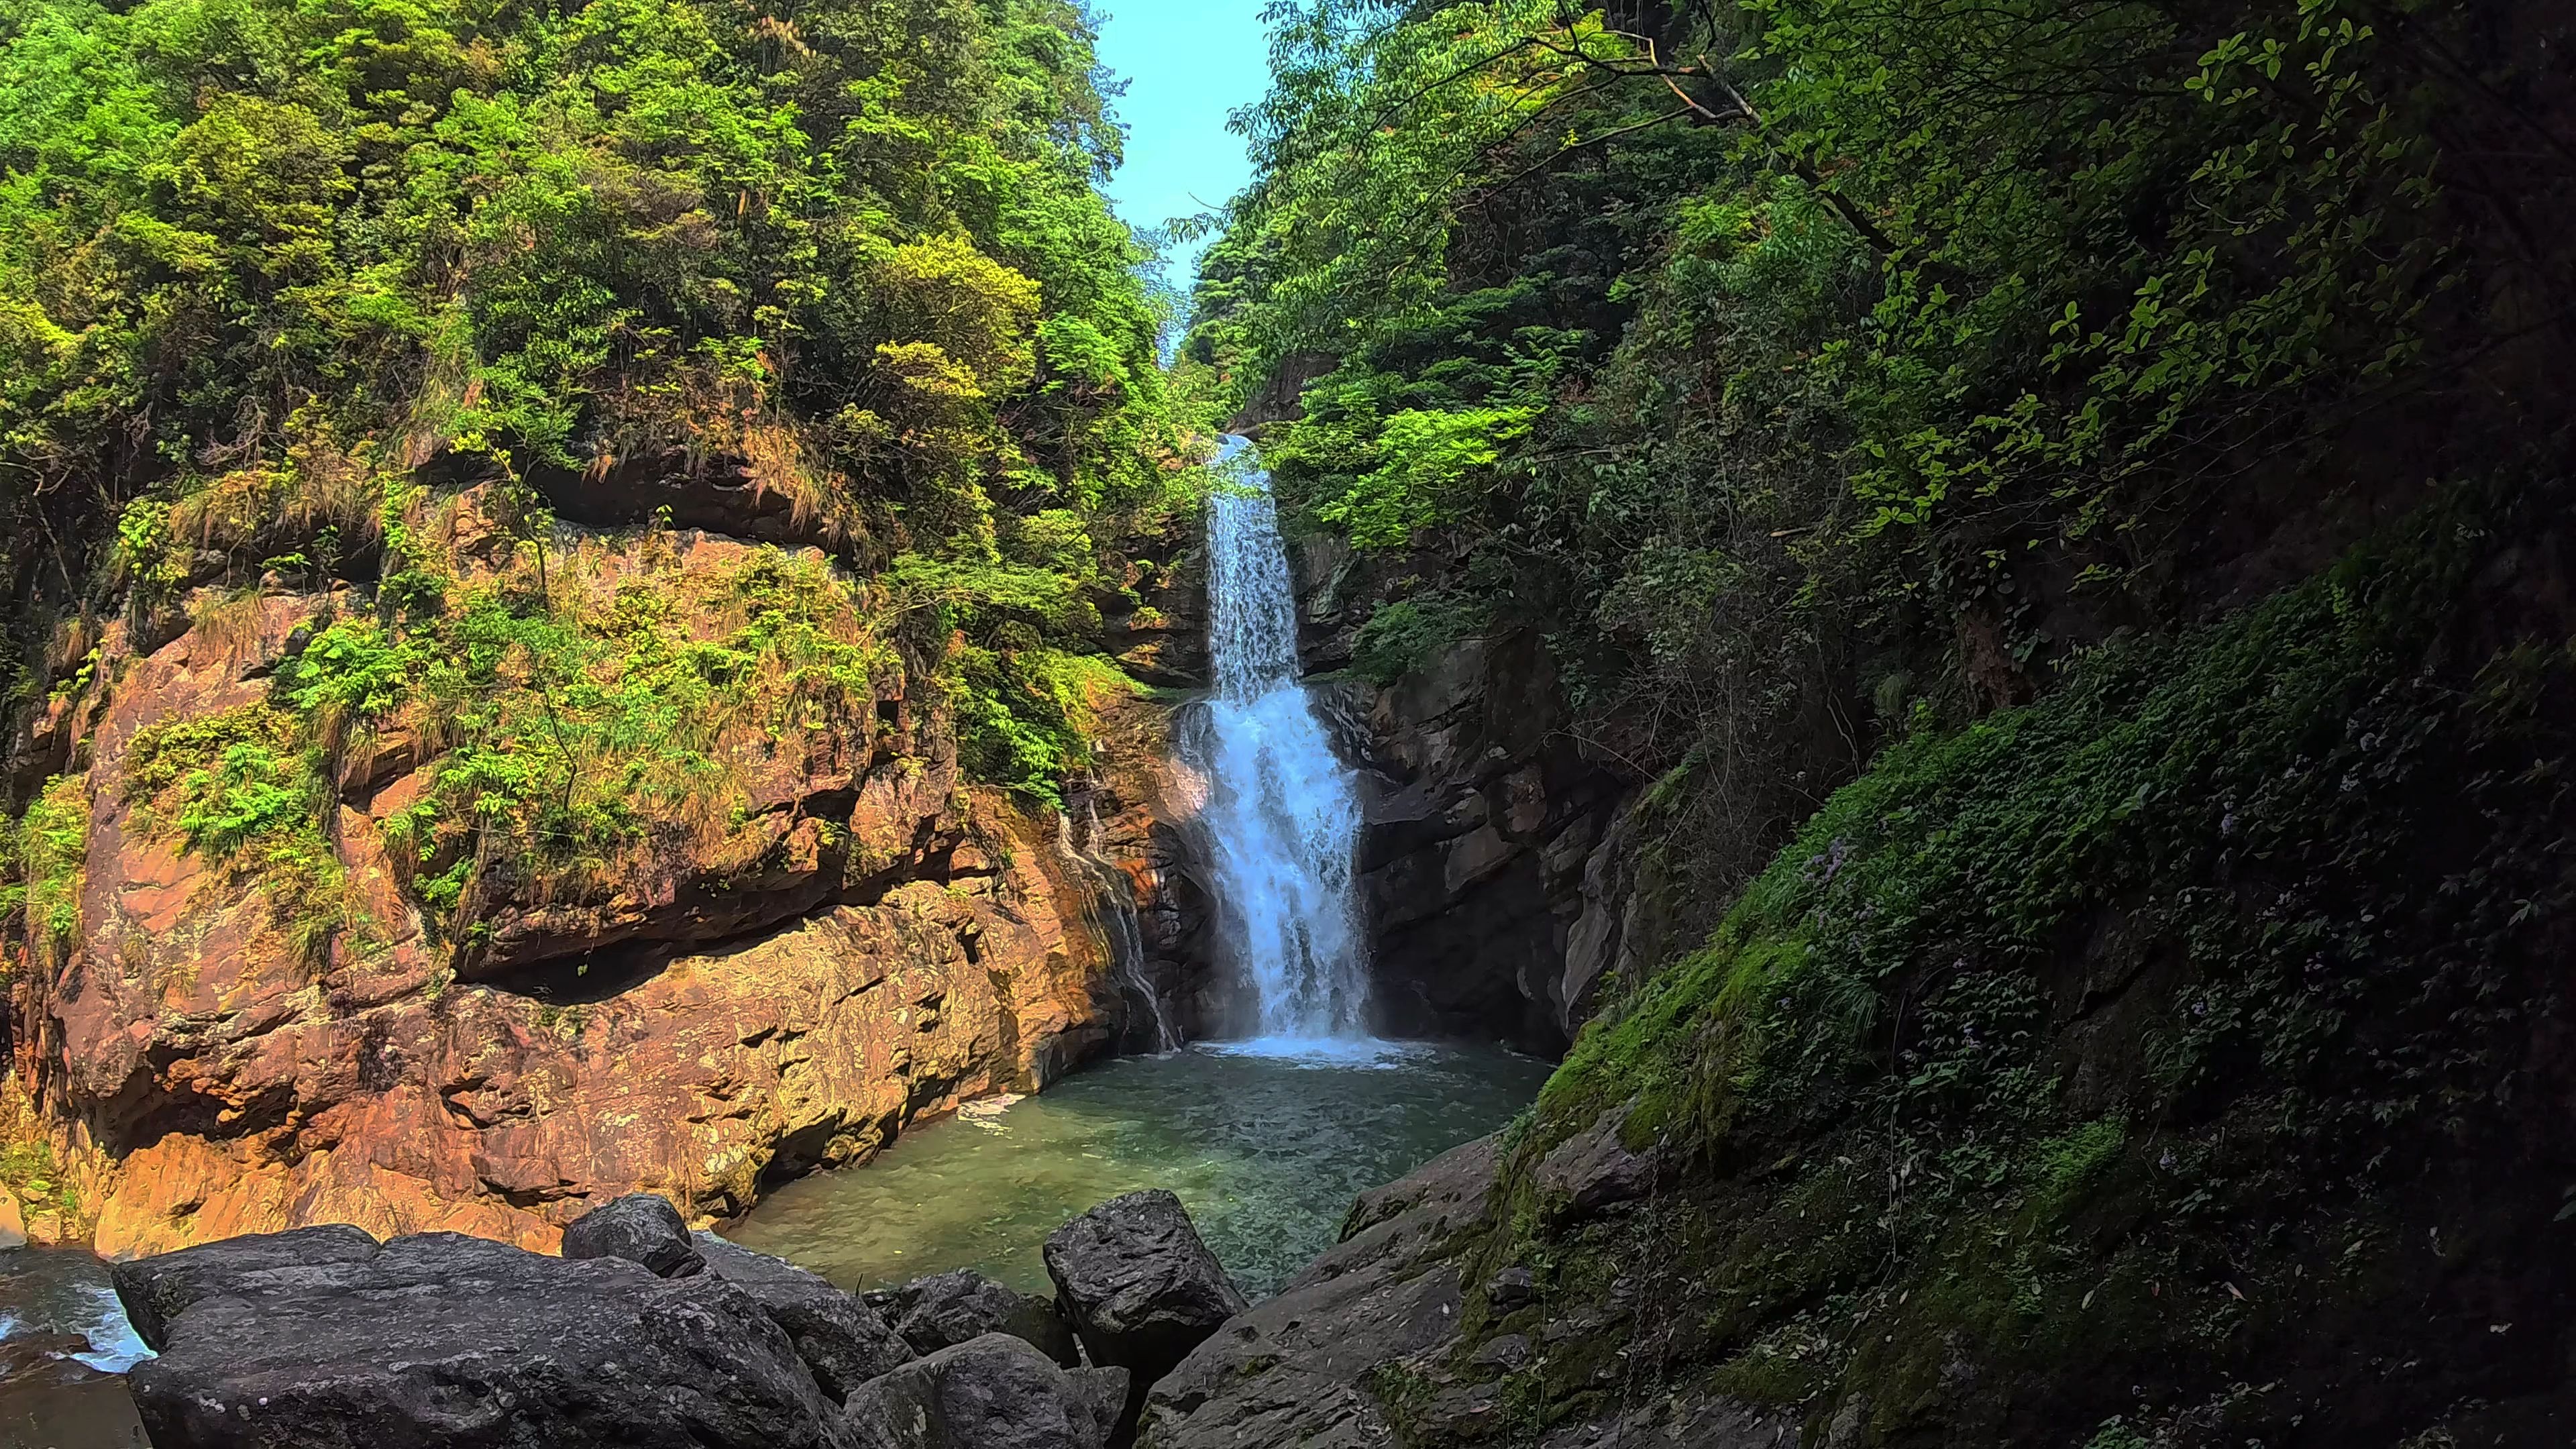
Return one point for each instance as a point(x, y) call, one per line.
point(1266, 1152)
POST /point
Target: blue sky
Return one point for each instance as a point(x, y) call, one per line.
point(1186, 63)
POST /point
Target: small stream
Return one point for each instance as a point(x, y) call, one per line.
point(1265, 1151)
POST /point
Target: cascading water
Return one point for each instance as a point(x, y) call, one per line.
point(1148, 1028)
point(1282, 809)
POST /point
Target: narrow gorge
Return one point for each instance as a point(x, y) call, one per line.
point(1719, 726)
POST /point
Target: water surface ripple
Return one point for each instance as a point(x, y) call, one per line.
point(1265, 1150)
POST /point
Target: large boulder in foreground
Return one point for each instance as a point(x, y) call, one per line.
point(993, 1392)
point(641, 1228)
point(442, 1341)
point(157, 1290)
point(840, 1338)
point(1139, 1286)
point(946, 1309)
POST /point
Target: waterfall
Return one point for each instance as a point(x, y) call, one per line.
point(1282, 810)
point(1117, 916)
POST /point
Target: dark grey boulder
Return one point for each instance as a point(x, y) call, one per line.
point(156, 1290)
point(1139, 1286)
point(1593, 1171)
point(641, 1228)
point(442, 1341)
point(1511, 1288)
point(946, 1309)
point(993, 1392)
point(841, 1338)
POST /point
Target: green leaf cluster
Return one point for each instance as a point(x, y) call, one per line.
point(43, 861)
point(1758, 355)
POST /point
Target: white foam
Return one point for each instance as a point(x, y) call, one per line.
point(1282, 809)
point(1322, 1051)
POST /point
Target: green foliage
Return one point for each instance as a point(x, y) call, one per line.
point(43, 857)
point(246, 793)
point(1806, 347)
point(34, 1176)
point(2157, 773)
point(2228, 931)
point(1425, 461)
point(2073, 1160)
point(1400, 636)
point(1024, 715)
point(2116, 1433)
point(247, 790)
point(353, 669)
point(862, 248)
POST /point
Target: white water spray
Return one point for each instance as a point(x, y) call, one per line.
point(1281, 807)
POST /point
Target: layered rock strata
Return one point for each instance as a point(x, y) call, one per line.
point(874, 941)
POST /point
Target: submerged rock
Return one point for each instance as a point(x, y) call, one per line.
point(641, 1228)
point(442, 1341)
point(49, 1398)
point(946, 1309)
point(993, 1392)
point(839, 1336)
point(1140, 1287)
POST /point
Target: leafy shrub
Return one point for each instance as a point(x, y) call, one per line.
point(1401, 636)
point(43, 857)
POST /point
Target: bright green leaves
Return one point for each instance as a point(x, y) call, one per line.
point(978, 313)
point(352, 671)
point(43, 862)
point(219, 781)
point(1426, 464)
point(1025, 712)
point(533, 239)
point(247, 792)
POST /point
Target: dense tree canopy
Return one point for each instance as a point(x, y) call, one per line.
point(1800, 366)
point(282, 282)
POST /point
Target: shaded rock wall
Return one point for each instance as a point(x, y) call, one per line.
point(1494, 855)
point(1138, 813)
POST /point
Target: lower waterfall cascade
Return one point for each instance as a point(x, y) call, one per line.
point(1283, 811)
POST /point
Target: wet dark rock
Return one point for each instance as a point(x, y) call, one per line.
point(993, 1392)
point(1593, 1171)
point(1139, 1286)
point(641, 1228)
point(442, 1341)
point(1509, 1289)
point(947, 1309)
point(1298, 1369)
point(157, 1290)
point(843, 1340)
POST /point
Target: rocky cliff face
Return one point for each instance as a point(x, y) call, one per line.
point(1495, 853)
point(866, 940)
point(1137, 816)
point(2168, 1063)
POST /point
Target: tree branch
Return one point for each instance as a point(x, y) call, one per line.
point(1561, 153)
